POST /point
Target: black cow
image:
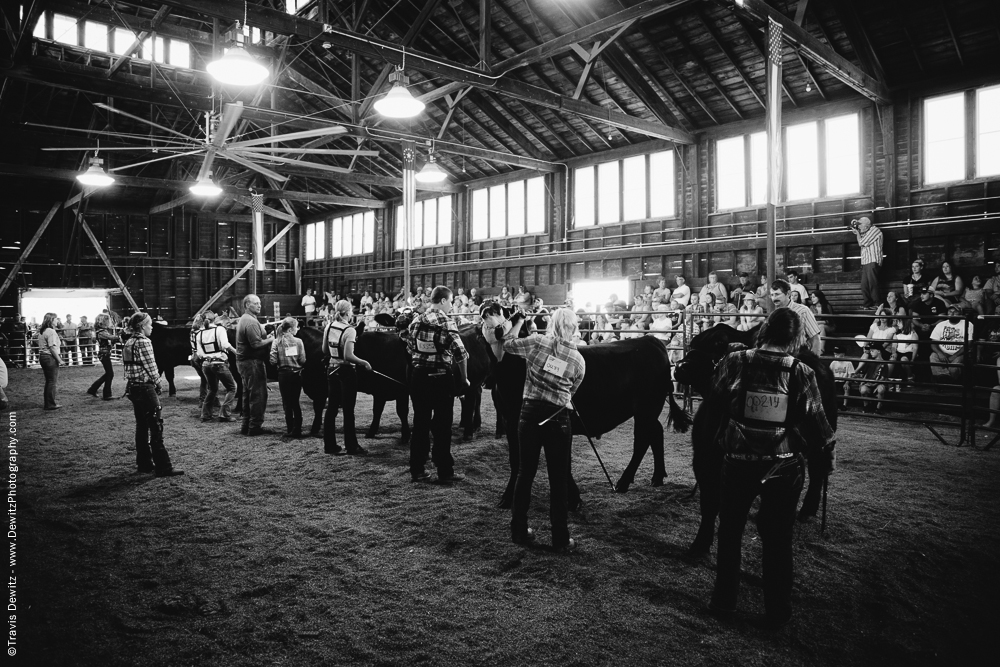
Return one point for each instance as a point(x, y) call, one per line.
point(697, 369)
point(624, 379)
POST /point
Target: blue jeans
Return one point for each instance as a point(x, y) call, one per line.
point(50, 366)
point(214, 372)
point(290, 386)
point(556, 438)
point(433, 399)
point(109, 375)
point(150, 453)
point(341, 391)
point(254, 376)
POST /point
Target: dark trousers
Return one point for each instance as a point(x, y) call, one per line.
point(197, 365)
point(254, 376)
point(290, 386)
point(341, 392)
point(150, 454)
point(869, 285)
point(214, 373)
point(779, 495)
point(433, 411)
point(50, 366)
point(109, 375)
point(555, 437)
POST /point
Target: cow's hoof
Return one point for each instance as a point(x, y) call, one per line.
point(622, 486)
point(468, 437)
point(658, 480)
point(371, 434)
point(574, 504)
point(698, 550)
point(172, 394)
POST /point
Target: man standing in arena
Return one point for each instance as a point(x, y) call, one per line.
point(434, 345)
point(772, 415)
point(870, 239)
point(779, 297)
point(252, 349)
point(213, 344)
point(309, 305)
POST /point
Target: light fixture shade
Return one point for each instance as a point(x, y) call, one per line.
point(398, 103)
point(237, 68)
point(431, 173)
point(95, 176)
point(206, 188)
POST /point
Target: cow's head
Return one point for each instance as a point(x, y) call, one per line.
point(494, 318)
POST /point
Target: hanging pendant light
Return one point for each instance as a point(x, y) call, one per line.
point(206, 187)
point(237, 67)
point(431, 173)
point(398, 102)
point(95, 176)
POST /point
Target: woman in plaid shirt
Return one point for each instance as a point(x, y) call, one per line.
point(555, 370)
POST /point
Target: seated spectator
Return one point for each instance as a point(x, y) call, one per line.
point(692, 316)
point(974, 296)
point(842, 370)
point(892, 304)
point(991, 291)
point(871, 373)
point(948, 286)
point(728, 315)
point(661, 326)
point(947, 345)
point(793, 281)
point(586, 325)
point(822, 309)
point(523, 299)
point(504, 298)
point(904, 348)
point(915, 283)
point(715, 288)
point(747, 312)
point(682, 294)
point(881, 331)
point(703, 309)
point(796, 297)
point(662, 293)
point(739, 289)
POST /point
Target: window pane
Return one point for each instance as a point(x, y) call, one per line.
point(498, 212)
point(515, 208)
point(180, 53)
point(988, 128)
point(944, 132)
point(731, 173)
point(444, 219)
point(40, 27)
point(337, 238)
point(430, 218)
point(95, 36)
point(160, 55)
point(758, 168)
point(843, 155)
point(634, 187)
point(608, 193)
point(358, 238)
point(310, 242)
point(661, 184)
point(418, 224)
point(480, 215)
point(399, 228)
point(321, 240)
point(536, 205)
point(803, 161)
point(583, 197)
point(369, 234)
point(64, 29)
point(123, 39)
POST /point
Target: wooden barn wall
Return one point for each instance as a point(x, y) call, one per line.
point(171, 264)
point(813, 236)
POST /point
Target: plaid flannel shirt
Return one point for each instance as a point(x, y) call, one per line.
point(566, 367)
point(143, 367)
point(438, 329)
point(805, 428)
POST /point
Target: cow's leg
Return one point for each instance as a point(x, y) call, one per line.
point(501, 430)
point(641, 441)
point(810, 504)
point(378, 405)
point(573, 500)
point(708, 475)
point(169, 372)
point(318, 406)
point(470, 412)
point(514, 459)
point(403, 412)
point(654, 432)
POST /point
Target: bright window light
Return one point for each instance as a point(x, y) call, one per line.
point(583, 197)
point(480, 215)
point(39, 32)
point(122, 40)
point(160, 52)
point(661, 184)
point(843, 155)
point(369, 233)
point(180, 54)
point(608, 193)
point(64, 29)
point(444, 219)
point(498, 212)
point(310, 243)
point(758, 168)
point(76, 302)
point(944, 137)
point(400, 229)
point(988, 131)
point(337, 238)
point(634, 187)
point(802, 165)
point(430, 222)
point(95, 36)
point(320, 241)
point(536, 205)
point(515, 208)
point(730, 173)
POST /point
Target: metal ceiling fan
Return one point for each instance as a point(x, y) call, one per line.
point(258, 154)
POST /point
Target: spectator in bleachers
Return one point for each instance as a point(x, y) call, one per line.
point(882, 333)
point(715, 288)
point(523, 299)
point(661, 326)
point(796, 297)
point(974, 295)
point(682, 294)
point(892, 305)
point(991, 291)
point(904, 348)
point(504, 298)
point(926, 312)
point(748, 310)
point(842, 370)
point(947, 344)
point(793, 281)
point(703, 309)
point(662, 293)
point(742, 287)
point(948, 285)
point(821, 310)
point(915, 283)
point(872, 374)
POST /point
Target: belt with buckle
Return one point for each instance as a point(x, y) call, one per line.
point(758, 457)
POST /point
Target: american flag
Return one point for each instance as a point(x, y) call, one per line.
point(257, 202)
point(257, 205)
point(774, 110)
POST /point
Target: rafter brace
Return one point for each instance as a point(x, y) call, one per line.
point(589, 57)
point(818, 52)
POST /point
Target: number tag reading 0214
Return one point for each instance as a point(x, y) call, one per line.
point(766, 407)
point(555, 366)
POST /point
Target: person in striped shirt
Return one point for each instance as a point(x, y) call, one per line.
point(870, 239)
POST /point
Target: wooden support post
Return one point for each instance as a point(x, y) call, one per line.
point(409, 203)
point(31, 246)
point(107, 262)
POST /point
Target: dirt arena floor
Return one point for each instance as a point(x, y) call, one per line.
point(273, 553)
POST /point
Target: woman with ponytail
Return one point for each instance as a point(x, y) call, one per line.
point(288, 353)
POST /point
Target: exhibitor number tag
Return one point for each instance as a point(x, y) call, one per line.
point(426, 346)
point(555, 366)
point(291, 351)
point(766, 407)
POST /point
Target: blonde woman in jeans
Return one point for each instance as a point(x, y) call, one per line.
point(48, 356)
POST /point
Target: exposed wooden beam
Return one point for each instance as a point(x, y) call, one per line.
point(154, 24)
point(508, 128)
point(107, 262)
point(497, 156)
point(815, 50)
point(9, 280)
point(485, 32)
point(654, 44)
point(721, 45)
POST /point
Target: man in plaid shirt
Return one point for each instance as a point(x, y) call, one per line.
point(772, 413)
point(435, 348)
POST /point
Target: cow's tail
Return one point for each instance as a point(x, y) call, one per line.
point(680, 418)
